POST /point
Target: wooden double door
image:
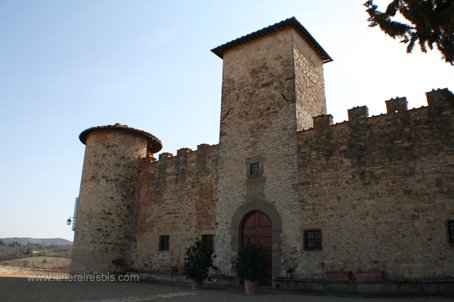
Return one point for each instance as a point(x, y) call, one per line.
point(256, 228)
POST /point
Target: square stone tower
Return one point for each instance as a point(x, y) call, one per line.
point(272, 87)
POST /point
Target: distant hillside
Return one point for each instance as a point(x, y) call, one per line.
point(40, 262)
point(40, 241)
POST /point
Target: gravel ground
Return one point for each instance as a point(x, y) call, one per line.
point(15, 286)
point(21, 289)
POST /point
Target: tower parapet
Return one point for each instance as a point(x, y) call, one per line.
point(440, 99)
point(357, 114)
point(396, 105)
point(107, 198)
point(322, 121)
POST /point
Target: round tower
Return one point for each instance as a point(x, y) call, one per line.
point(107, 198)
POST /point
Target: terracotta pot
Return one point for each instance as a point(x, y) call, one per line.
point(196, 284)
point(119, 271)
point(250, 287)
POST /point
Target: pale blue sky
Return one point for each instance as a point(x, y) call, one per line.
point(69, 65)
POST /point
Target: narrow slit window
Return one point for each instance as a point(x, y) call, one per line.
point(164, 243)
point(451, 231)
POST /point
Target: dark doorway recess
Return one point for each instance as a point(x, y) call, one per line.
point(256, 228)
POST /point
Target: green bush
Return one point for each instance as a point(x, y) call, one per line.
point(119, 262)
point(250, 264)
point(197, 261)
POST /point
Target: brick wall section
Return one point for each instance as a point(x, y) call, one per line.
point(106, 208)
point(177, 196)
point(381, 191)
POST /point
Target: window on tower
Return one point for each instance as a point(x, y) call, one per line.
point(164, 242)
point(254, 169)
point(313, 240)
point(207, 240)
point(451, 231)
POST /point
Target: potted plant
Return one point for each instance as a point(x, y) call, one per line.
point(119, 267)
point(197, 261)
point(250, 265)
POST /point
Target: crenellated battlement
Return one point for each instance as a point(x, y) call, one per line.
point(396, 105)
point(438, 101)
point(186, 160)
point(322, 121)
point(183, 154)
point(398, 134)
point(358, 114)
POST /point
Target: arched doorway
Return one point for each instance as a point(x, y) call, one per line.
point(256, 228)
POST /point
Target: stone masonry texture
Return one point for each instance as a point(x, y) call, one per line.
point(379, 189)
point(106, 208)
point(176, 198)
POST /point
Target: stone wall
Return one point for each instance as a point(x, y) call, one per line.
point(106, 207)
point(177, 196)
point(381, 191)
point(309, 83)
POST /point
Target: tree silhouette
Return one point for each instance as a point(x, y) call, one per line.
point(429, 22)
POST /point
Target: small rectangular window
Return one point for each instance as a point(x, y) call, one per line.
point(451, 231)
point(254, 169)
point(164, 243)
point(208, 241)
point(313, 240)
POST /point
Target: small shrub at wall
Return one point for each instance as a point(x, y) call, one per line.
point(197, 261)
point(250, 264)
point(119, 264)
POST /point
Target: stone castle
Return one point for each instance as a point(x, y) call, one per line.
point(372, 197)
